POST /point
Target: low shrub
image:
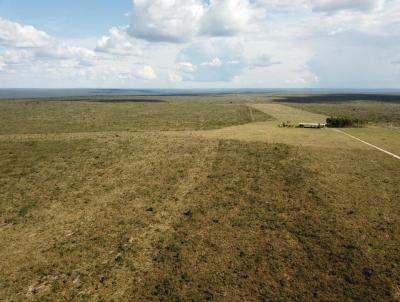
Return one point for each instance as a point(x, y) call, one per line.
point(341, 122)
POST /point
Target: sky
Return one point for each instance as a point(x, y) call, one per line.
point(200, 44)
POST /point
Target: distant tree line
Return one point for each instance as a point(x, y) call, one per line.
point(342, 121)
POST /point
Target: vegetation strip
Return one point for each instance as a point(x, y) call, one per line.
point(371, 145)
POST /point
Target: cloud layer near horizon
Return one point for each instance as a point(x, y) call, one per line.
point(225, 43)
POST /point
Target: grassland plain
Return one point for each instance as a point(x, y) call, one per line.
point(74, 116)
point(380, 113)
point(373, 112)
point(155, 214)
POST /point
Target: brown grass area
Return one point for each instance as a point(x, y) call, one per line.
point(249, 212)
point(374, 112)
point(284, 113)
point(44, 117)
point(294, 232)
point(386, 138)
point(271, 133)
point(73, 215)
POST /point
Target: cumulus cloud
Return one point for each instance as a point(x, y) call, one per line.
point(16, 56)
point(24, 50)
point(213, 61)
point(291, 43)
point(27, 50)
point(26, 42)
point(174, 77)
point(13, 34)
point(118, 42)
point(66, 52)
point(229, 17)
point(146, 73)
point(216, 62)
point(160, 20)
point(186, 67)
point(180, 21)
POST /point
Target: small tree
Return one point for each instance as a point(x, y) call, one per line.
point(341, 122)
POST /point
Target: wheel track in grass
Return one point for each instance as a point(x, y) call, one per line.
point(369, 144)
point(174, 209)
point(252, 119)
point(278, 111)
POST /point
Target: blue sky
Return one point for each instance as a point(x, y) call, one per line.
point(200, 44)
point(72, 19)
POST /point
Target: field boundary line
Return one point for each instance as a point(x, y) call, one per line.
point(371, 145)
point(251, 113)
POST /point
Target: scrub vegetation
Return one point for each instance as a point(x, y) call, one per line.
point(343, 122)
point(193, 199)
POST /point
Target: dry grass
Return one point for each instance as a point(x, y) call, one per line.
point(273, 223)
point(271, 133)
point(284, 113)
point(80, 216)
point(386, 138)
point(382, 117)
point(43, 117)
point(246, 213)
point(381, 113)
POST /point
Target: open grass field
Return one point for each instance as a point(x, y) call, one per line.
point(194, 199)
point(114, 115)
point(381, 110)
point(381, 114)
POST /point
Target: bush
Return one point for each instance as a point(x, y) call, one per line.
point(341, 122)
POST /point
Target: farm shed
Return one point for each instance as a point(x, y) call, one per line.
point(311, 125)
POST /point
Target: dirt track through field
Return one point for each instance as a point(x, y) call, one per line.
point(283, 113)
point(371, 145)
point(254, 131)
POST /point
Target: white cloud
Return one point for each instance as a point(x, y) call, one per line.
point(216, 62)
point(51, 61)
point(25, 43)
point(180, 21)
point(119, 43)
point(229, 17)
point(160, 20)
point(17, 56)
point(146, 73)
point(174, 77)
point(66, 52)
point(211, 60)
point(205, 43)
point(186, 67)
point(13, 34)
